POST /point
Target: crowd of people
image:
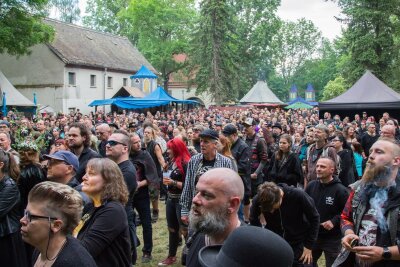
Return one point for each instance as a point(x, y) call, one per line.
point(74, 188)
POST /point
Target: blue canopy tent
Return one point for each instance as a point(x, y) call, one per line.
point(155, 99)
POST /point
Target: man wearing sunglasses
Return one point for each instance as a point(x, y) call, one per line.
point(117, 149)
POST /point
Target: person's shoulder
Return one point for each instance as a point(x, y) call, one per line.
point(74, 254)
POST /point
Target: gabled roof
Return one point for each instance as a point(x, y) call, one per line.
point(368, 91)
point(13, 96)
point(77, 45)
point(260, 94)
point(144, 73)
point(129, 91)
point(302, 100)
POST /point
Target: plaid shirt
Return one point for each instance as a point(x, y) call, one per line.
point(189, 188)
point(346, 218)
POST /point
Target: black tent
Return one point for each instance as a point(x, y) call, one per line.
point(368, 94)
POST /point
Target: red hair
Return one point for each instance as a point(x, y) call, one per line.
point(180, 152)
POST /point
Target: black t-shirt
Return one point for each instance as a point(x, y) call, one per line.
point(205, 165)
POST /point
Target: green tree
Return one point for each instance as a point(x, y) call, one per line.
point(214, 53)
point(161, 28)
point(103, 16)
point(255, 24)
point(292, 46)
point(370, 37)
point(21, 25)
point(334, 88)
point(66, 10)
point(318, 71)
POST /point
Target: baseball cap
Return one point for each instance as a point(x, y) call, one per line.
point(65, 156)
point(249, 122)
point(3, 122)
point(229, 129)
point(209, 133)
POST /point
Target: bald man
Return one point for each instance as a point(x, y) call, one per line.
point(388, 131)
point(103, 132)
point(213, 215)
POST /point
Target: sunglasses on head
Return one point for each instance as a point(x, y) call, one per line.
point(114, 143)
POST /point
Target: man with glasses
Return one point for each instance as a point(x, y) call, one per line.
point(103, 131)
point(117, 149)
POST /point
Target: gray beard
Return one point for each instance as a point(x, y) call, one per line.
point(211, 223)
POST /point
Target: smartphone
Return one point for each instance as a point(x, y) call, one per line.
point(353, 243)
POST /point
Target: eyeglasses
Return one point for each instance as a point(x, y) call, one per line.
point(29, 217)
point(335, 140)
point(114, 143)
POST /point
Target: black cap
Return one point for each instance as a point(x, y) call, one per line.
point(277, 125)
point(229, 129)
point(132, 125)
point(247, 246)
point(209, 133)
point(113, 125)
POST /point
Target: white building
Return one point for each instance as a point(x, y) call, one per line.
point(79, 66)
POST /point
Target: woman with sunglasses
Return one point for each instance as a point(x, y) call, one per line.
point(104, 231)
point(11, 245)
point(179, 157)
point(52, 213)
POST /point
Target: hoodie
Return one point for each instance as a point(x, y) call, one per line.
point(330, 199)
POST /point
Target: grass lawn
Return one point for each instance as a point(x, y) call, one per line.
point(160, 242)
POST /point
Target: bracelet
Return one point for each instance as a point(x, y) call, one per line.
point(175, 183)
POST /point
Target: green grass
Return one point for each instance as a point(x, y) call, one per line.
point(160, 242)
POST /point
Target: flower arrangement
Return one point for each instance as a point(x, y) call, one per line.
point(25, 141)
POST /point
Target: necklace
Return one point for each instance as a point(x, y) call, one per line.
point(58, 253)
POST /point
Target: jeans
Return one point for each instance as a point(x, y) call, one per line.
point(330, 247)
point(142, 204)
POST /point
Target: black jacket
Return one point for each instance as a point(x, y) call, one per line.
point(105, 235)
point(289, 172)
point(329, 199)
point(31, 175)
point(86, 155)
point(297, 219)
point(347, 170)
point(242, 153)
point(9, 207)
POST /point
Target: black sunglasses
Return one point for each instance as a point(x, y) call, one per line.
point(29, 217)
point(114, 143)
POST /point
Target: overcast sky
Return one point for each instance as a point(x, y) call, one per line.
point(320, 12)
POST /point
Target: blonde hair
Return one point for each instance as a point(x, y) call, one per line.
point(114, 184)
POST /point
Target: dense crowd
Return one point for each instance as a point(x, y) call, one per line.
point(75, 187)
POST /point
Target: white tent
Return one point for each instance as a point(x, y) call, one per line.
point(261, 94)
point(13, 96)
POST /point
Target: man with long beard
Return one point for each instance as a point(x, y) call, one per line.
point(214, 210)
point(370, 220)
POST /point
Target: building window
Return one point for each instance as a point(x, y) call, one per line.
point(71, 78)
point(109, 82)
point(124, 81)
point(92, 80)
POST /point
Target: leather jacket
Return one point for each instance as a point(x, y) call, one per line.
point(9, 207)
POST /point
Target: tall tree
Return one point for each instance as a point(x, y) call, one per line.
point(292, 46)
point(103, 16)
point(66, 10)
point(370, 37)
point(255, 23)
point(214, 51)
point(21, 25)
point(161, 28)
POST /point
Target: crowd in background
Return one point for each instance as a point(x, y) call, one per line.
point(99, 169)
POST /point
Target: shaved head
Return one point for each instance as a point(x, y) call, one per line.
point(230, 182)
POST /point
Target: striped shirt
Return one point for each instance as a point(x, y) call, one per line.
point(189, 188)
